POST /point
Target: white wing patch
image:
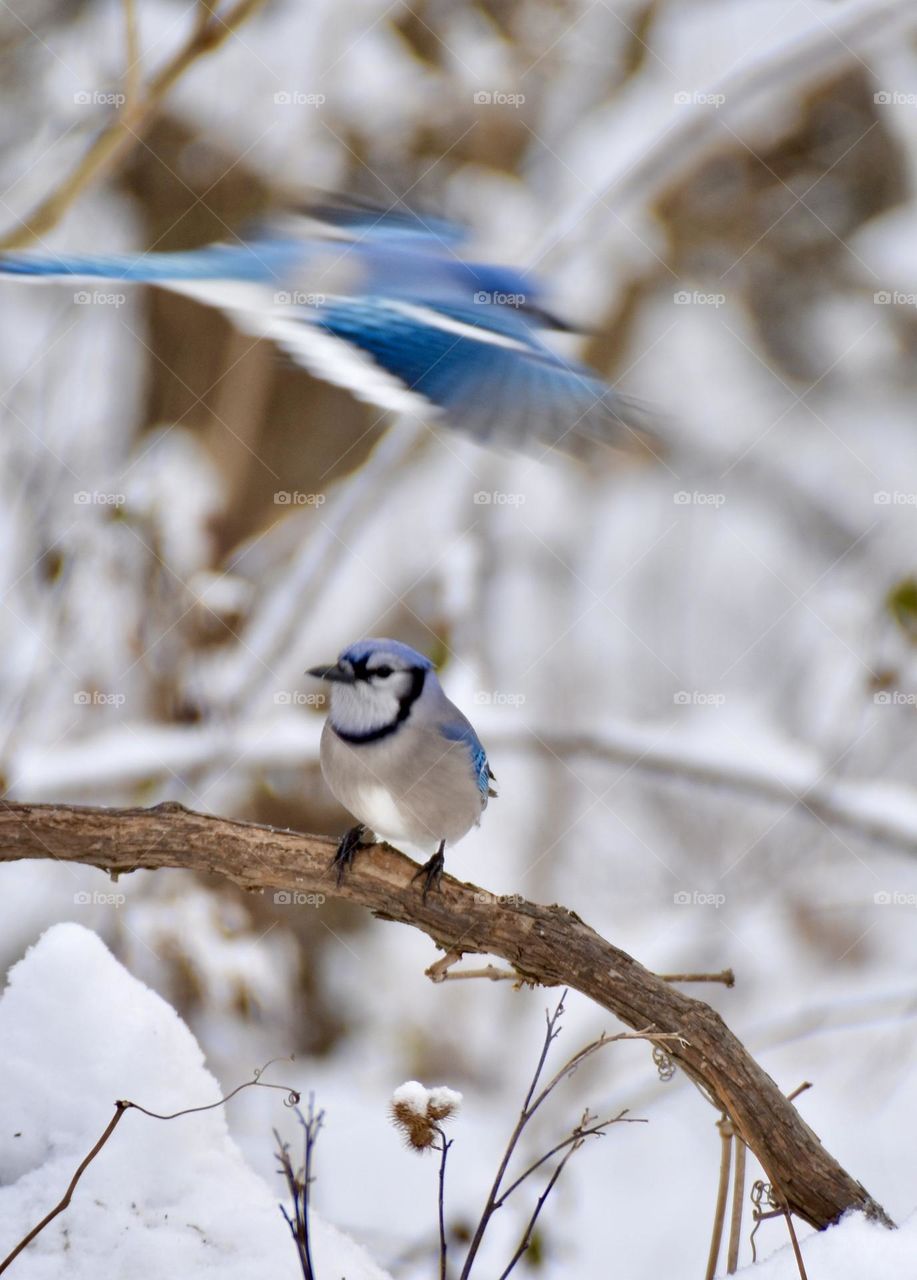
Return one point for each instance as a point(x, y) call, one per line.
point(435, 320)
point(329, 358)
point(338, 361)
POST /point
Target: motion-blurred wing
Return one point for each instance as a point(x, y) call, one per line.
point(268, 262)
point(494, 381)
point(395, 224)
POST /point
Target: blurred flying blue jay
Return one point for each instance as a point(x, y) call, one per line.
point(379, 301)
point(399, 755)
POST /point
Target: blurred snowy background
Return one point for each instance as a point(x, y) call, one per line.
point(696, 677)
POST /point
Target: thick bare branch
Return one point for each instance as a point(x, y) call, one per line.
point(548, 945)
point(783, 773)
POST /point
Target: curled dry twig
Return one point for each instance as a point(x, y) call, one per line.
point(121, 1108)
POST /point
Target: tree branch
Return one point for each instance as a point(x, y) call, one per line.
point(791, 67)
point(783, 773)
point(547, 945)
point(249, 672)
point(209, 33)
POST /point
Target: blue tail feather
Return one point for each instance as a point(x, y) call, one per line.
point(258, 261)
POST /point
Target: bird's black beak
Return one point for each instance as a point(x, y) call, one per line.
point(336, 673)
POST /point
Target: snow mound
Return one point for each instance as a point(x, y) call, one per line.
point(853, 1250)
point(163, 1198)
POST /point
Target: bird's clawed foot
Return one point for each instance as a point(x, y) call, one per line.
point(432, 871)
point(351, 841)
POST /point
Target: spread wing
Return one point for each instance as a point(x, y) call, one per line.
point(486, 373)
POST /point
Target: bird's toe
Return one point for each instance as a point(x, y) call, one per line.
point(432, 871)
point(349, 843)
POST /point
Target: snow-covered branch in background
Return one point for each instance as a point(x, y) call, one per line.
point(784, 73)
point(242, 675)
point(209, 31)
point(776, 772)
point(764, 768)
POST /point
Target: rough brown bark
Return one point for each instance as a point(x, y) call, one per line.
point(548, 945)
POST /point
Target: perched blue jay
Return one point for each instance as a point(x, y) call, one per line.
point(399, 755)
point(379, 301)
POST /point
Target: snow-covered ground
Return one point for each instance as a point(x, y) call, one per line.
point(162, 1197)
point(175, 1196)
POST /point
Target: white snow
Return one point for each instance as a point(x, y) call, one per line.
point(412, 1095)
point(162, 1198)
point(442, 1097)
point(418, 1098)
point(853, 1250)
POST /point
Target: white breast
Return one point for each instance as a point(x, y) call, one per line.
point(377, 809)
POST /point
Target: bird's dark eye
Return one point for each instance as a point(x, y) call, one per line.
point(382, 672)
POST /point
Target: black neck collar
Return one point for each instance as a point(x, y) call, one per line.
point(405, 703)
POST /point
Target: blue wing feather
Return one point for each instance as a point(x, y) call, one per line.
point(399, 224)
point(461, 731)
point(265, 261)
point(510, 391)
point(462, 336)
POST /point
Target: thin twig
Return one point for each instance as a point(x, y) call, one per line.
point(443, 1247)
point(797, 1253)
point(581, 1131)
point(766, 1192)
point(299, 1182)
point(800, 1088)
point(497, 1197)
point(527, 1235)
point(738, 1198)
point(722, 1190)
point(726, 976)
point(551, 1033)
point(310, 1128)
point(121, 1107)
point(439, 969)
point(291, 1101)
point(572, 1064)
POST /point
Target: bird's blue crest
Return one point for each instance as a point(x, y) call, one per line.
point(360, 650)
